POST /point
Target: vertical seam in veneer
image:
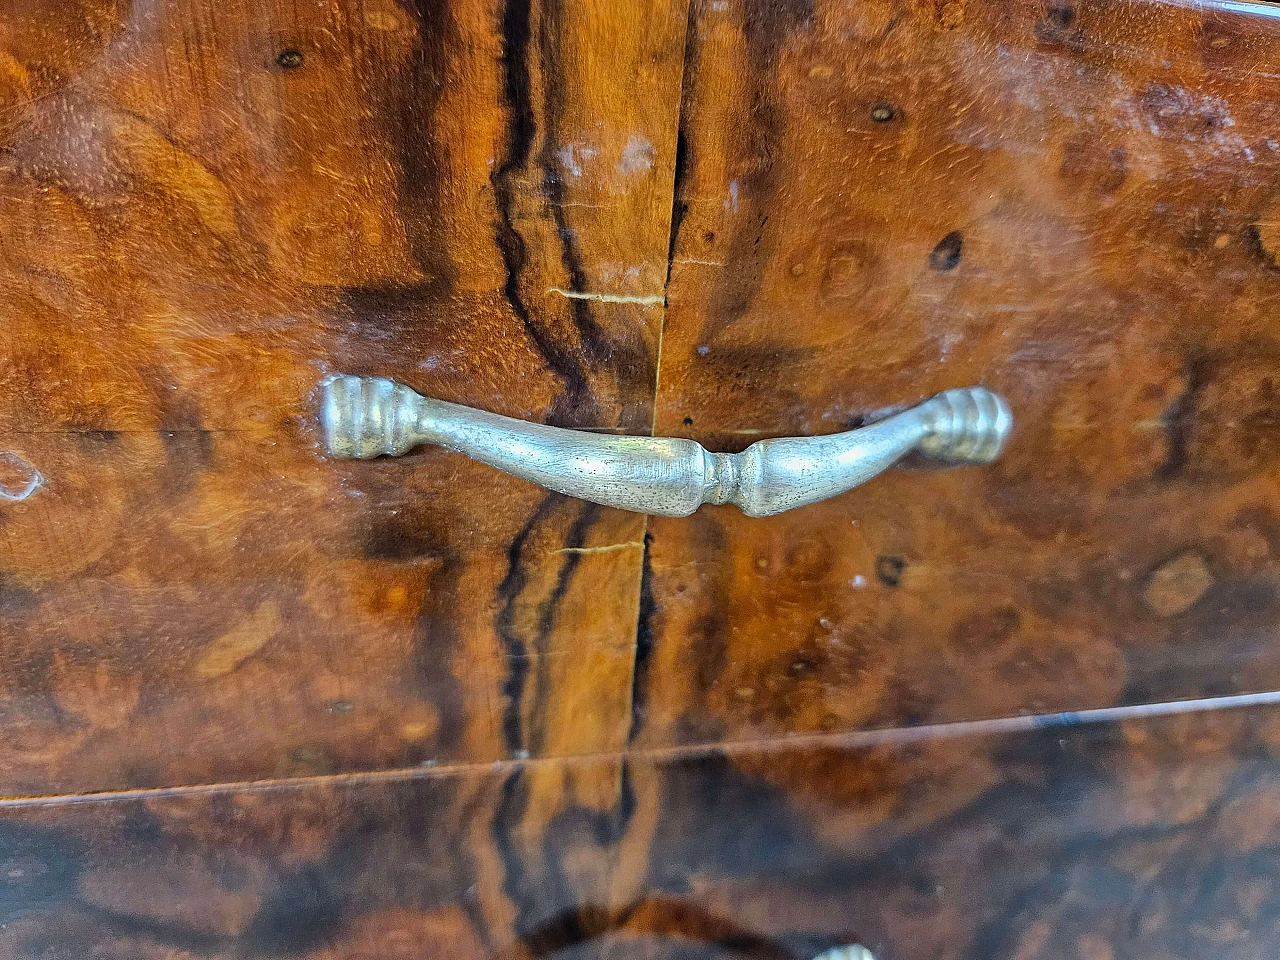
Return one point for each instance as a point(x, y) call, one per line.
point(644, 611)
point(673, 221)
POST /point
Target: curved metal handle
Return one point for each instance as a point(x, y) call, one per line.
point(366, 417)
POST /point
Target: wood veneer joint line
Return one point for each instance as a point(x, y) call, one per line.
point(674, 218)
point(852, 740)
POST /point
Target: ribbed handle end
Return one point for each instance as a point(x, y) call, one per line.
point(365, 417)
point(966, 426)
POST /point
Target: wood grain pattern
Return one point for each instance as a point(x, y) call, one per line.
point(205, 208)
point(1153, 838)
point(1070, 203)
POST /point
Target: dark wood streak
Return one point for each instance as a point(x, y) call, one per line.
point(418, 152)
point(680, 205)
point(644, 643)
point(505, 623)
point(511, 809)
point(547, 871)
point(576, 400)
point(435, 631)
point(679, 198)
point(551, 48)
point(526, 637)
point(1180, 416)
point(549, 610)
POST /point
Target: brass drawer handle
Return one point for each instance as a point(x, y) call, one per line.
point(365, 417)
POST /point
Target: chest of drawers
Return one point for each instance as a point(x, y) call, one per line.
point(257, 700)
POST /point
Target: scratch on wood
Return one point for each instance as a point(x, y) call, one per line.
point(650, 299)
point(628, 545)
point(20, 481)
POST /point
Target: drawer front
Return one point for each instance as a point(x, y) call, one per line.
point(1072, 204)
point(1069, 204)
point(207, 208)
point(1151, 838)
point(351, 709)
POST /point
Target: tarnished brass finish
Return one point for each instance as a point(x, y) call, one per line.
point(364, 417)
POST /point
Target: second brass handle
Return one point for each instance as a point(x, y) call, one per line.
point(364, 417)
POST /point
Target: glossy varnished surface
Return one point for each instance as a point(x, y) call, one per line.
point(207, 208)
point(204, 209)
point(1153, 838)
point(873, 202)
point(1071, 203)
